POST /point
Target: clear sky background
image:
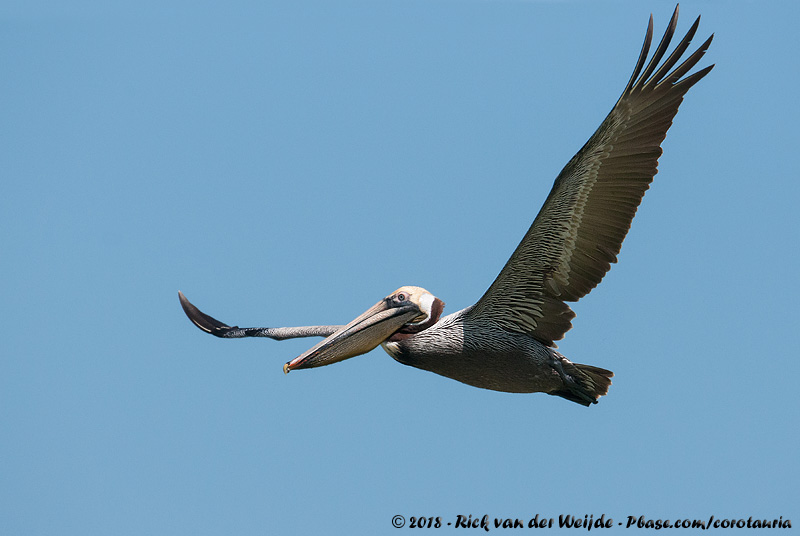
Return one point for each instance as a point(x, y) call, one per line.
point(290, 163)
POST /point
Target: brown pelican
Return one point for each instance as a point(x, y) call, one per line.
point(505, 341)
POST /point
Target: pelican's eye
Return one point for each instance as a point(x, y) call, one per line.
point(401, 297)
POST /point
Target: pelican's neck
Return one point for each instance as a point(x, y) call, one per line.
point(446, 335)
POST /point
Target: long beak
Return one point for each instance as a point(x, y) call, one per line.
point(358, 337)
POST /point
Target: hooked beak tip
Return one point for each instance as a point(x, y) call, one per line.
point(286, 368)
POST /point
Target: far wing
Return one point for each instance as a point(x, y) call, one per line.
point(580, 228)
point(218, 329)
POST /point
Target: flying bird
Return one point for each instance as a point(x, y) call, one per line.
point(505, 342)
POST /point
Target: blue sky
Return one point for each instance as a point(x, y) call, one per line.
point(291, 163)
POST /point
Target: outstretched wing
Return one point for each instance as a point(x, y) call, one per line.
point(218, 329)
point(579, 230)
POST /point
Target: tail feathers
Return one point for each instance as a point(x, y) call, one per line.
point(584, 384)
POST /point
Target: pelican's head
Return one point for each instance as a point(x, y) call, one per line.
point(404, 312)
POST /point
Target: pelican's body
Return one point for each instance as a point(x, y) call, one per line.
point(505, 342)
point(460, 348)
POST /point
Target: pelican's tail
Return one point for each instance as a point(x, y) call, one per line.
point(584, 384)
